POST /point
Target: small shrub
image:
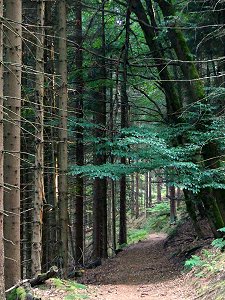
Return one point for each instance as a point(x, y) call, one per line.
point(194, 261)
point(218, 243)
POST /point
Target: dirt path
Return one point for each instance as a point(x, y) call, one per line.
point(143, 271)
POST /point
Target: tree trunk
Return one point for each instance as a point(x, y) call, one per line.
point(2, 278)
point(179, 194)
point(13, 33)
point(113, 204)
point(146, 190)
point(112, 197)
point(50, 212)
point(159, 189)
point(194, 87)
point(173, 211)
point(137, 196)
point(62, 145)
point(36, 244)
point(172, 100)
point(210, 152)
point(124, 124)
point(189, 197)
point(100, 185)
point(132, 196)
point(79, 200)
point(150, 190)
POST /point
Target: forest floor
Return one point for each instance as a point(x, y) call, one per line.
point(149, 269)
point(142, 271)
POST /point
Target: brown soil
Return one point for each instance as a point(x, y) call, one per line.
point(142, 271)
point(148, 270)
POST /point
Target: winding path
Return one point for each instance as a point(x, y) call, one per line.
point(143, 271)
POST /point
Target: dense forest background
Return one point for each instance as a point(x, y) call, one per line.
point(103, 105)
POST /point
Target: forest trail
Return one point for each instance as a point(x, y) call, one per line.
point(142, 271)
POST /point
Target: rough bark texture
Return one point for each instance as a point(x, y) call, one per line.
point(62, 145)
point(49, 236)
point(79, 200)
point(100, 185)
point(124, 124)
point(159, 189)
point(173, 212)
point(12, 105)
point(2, 279)
point(178, 42)
point(36, 244)
point(210, 151)
point(137, 195)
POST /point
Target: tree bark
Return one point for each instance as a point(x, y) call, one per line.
point(13, 44)
point(124, 124)
point(146, 190)
point(79, 200)
point(172, 100)
point(159, 189)
point(150, 190)
point(210, 152)
point(173, 211)
point(36, 244)
point(62, 145)
point(137, 196)
point(2, 277)
point(50, 211)
point(100, 184)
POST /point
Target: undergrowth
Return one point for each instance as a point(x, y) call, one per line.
point(209, 268)
point(158, 220)
point(71, 289)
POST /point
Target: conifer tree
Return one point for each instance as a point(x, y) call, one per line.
point(13, 47)
point(2, 279)
point(63, 135)
point(36, 252)
point(79, 110)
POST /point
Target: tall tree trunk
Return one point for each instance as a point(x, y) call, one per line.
point(179, 195)
point(112, 197)
point(2, 279)
point(113, 204)
point(79, 201)
point(62, 145)
point(150, 190)
point(36, 244)
point(13, 42)
point(210, 152)
point(173, 103)
point(124, 124)
point(146, 190)
point(132, 196)
point(137, 196)
point(178, 42)
point(49, 244)
point(100, 185)
point(173, 211)
point(159, 189)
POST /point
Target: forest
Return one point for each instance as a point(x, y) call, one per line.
point(108, 110)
